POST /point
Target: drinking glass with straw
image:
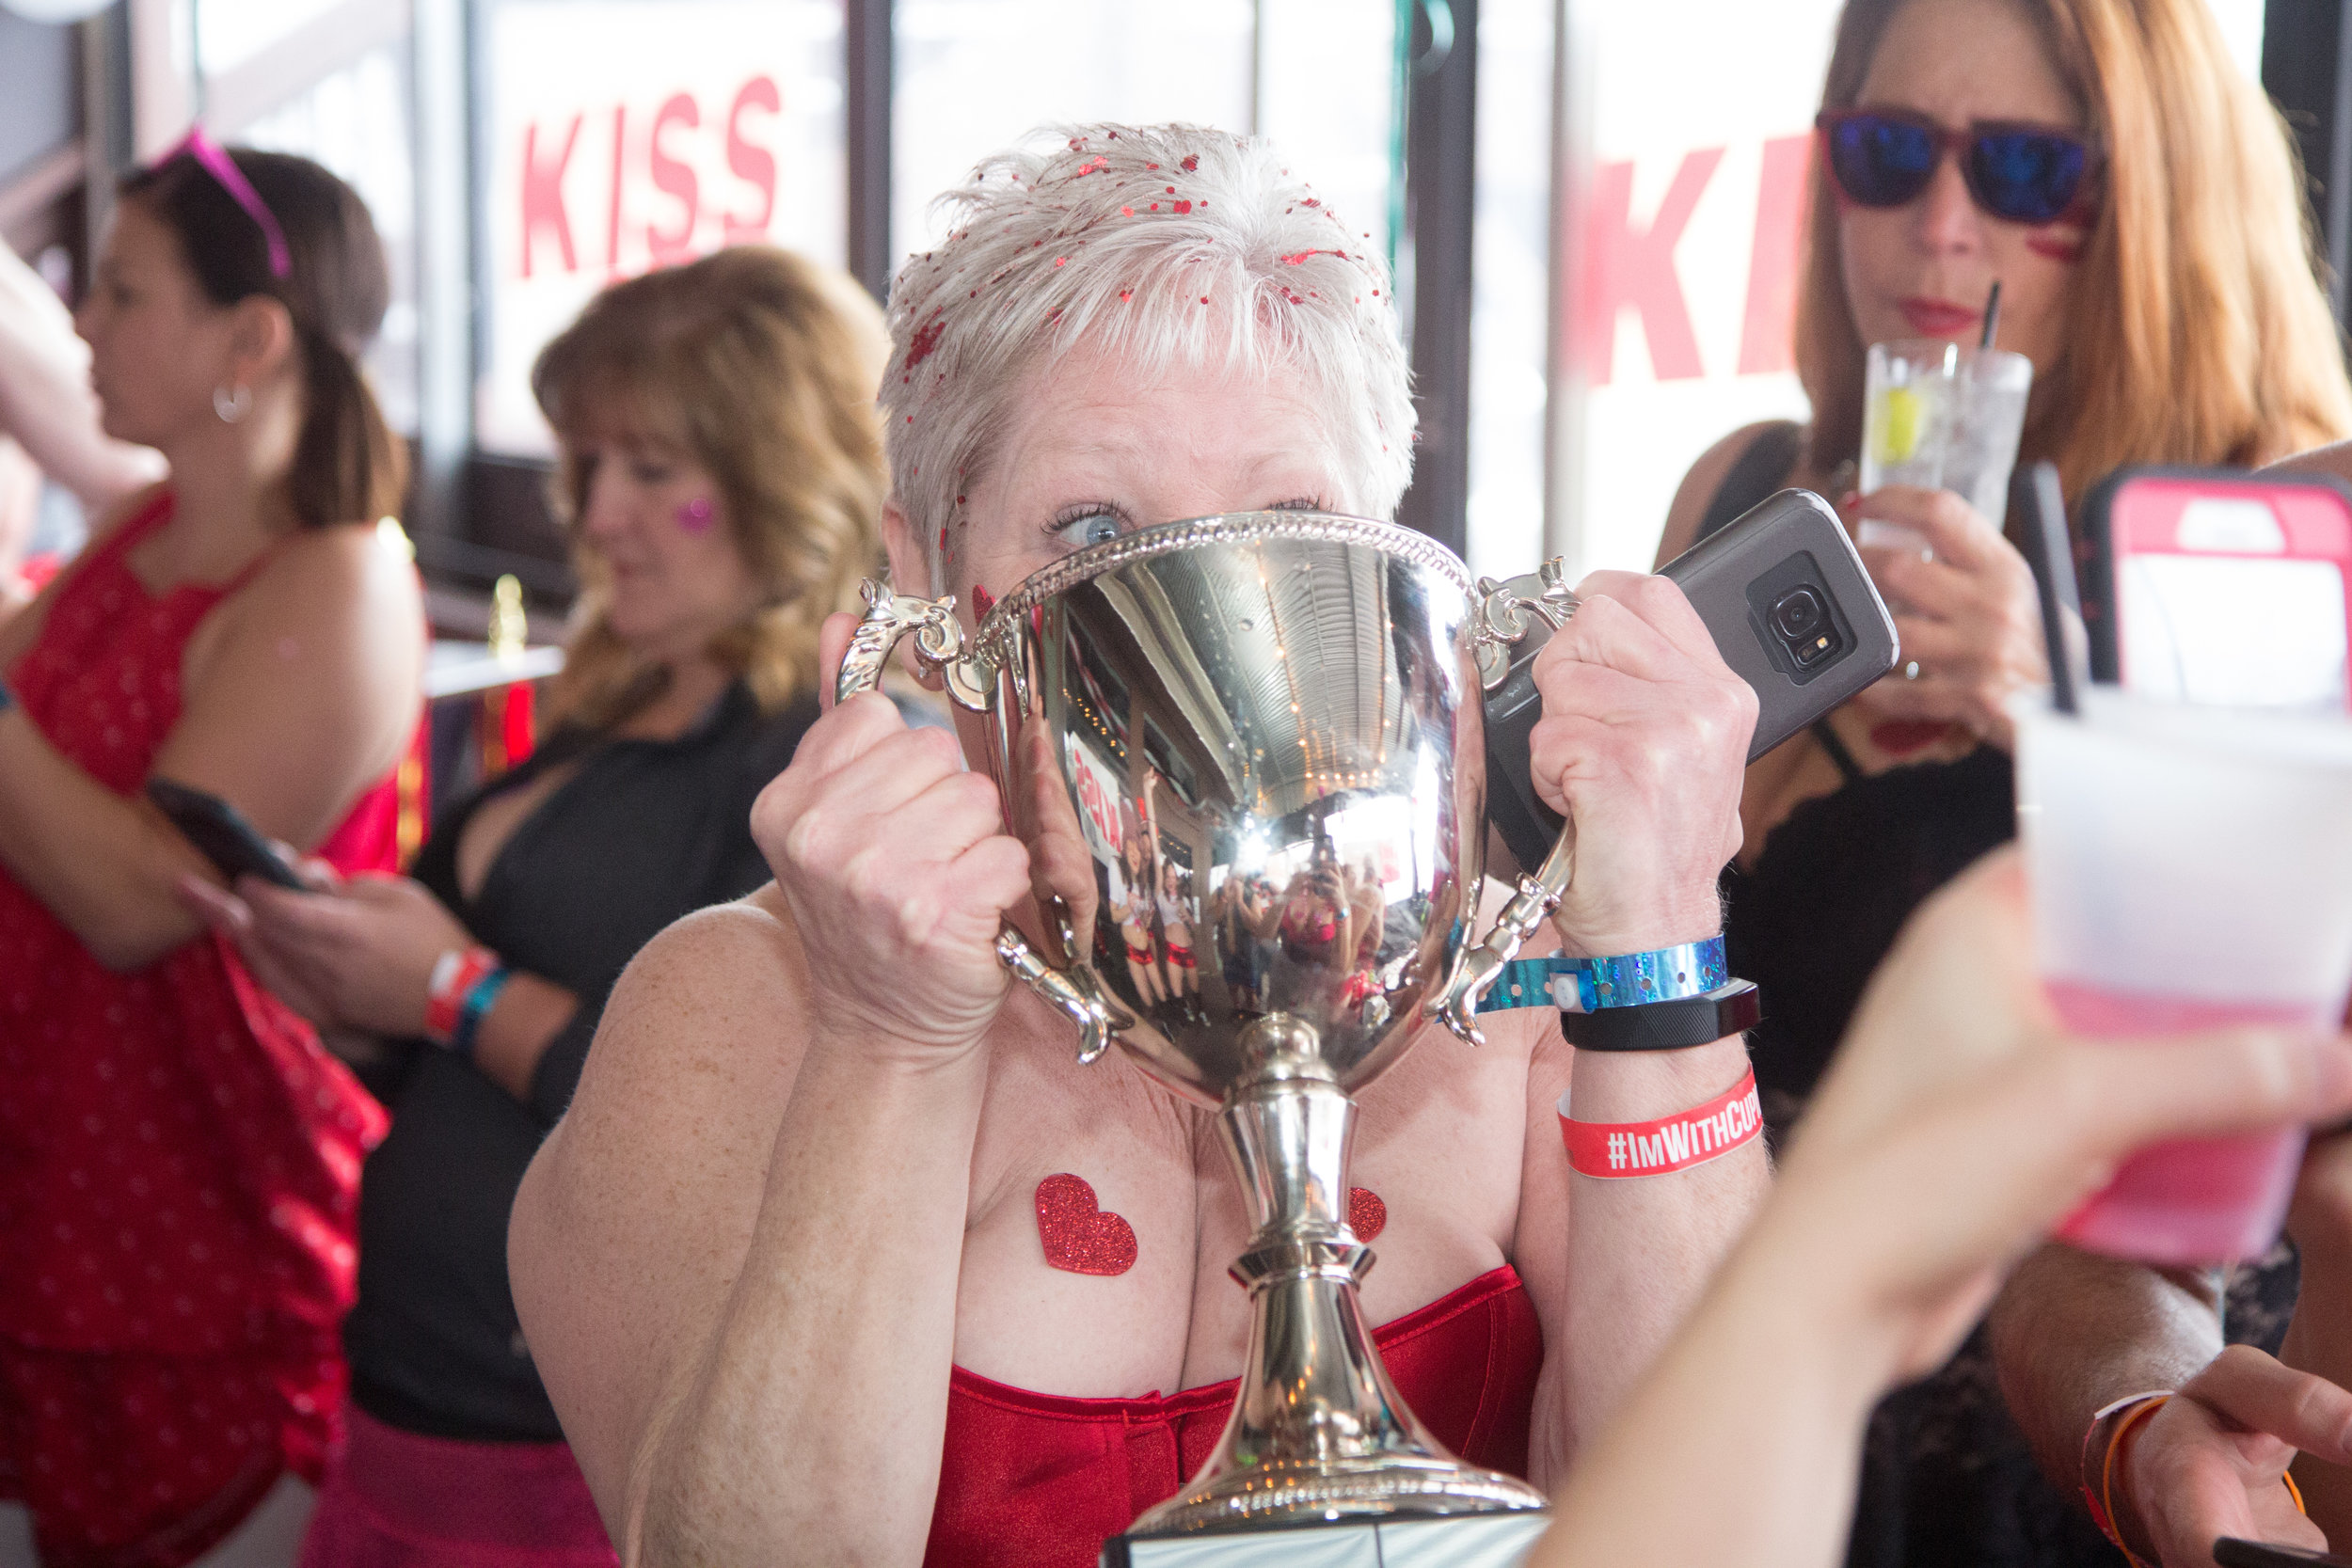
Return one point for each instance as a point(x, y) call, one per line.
point(1942, 418)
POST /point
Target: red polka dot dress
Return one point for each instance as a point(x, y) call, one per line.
point(179, 1164)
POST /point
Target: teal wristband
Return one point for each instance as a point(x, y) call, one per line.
point(475, 1009)
point(8, 698)
point(1626, 980)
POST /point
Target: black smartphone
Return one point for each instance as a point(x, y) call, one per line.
point(2230, 1552)
point(1791, 607)
point(221, 834)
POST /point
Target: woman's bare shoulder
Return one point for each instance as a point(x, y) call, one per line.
point(706, 1014)
point(1699, 486)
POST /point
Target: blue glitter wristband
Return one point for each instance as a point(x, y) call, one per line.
point(1626, 980)
point(8, 698)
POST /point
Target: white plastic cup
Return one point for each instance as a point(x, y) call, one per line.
point(1941, 417)
point(2191, 867)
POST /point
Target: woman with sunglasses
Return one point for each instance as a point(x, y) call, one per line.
point(179, 1158)
point(2136, 199)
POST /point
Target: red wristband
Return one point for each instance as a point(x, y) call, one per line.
point(453, 976)
point(1610, 1151)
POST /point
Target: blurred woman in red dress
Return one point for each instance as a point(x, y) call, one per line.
point(178, 1156)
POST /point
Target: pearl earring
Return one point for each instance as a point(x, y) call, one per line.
point(234, 404)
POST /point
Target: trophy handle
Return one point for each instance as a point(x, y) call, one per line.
point(939, 643)
point(1500, 620)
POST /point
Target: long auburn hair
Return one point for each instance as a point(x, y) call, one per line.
point(348, 466)
point(2198, 332)
point(762, 366)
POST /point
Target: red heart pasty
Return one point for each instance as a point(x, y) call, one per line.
point(1079, 1237)
point(1366, 1214)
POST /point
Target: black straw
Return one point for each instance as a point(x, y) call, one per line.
point(1992, 315)
point(2038, 491)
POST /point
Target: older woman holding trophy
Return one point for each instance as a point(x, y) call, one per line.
point(843, 1252)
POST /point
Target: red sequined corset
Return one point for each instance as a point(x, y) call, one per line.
point(1029, 1480)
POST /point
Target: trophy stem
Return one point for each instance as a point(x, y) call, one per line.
point(1318, 1432)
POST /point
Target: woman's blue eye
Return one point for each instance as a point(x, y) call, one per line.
point(1092, 529)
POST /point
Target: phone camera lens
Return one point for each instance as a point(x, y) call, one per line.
point(1798, 615)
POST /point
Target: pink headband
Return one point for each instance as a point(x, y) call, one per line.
point(223, 168)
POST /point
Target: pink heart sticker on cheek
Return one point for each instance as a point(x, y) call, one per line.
point(695, 516)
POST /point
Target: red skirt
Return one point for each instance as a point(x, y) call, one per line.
point(394, 1499)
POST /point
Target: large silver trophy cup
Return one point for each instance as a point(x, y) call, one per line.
point(1245, 754)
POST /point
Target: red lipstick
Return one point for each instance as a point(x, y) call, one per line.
point(1939, 318)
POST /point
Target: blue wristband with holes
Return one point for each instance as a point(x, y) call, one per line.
point(1626, 980)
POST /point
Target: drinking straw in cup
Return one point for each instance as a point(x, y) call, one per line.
point(1941, 417)
point(2191, 867)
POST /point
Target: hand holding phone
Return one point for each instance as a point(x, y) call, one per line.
point(222, 835)
point(1783, 594)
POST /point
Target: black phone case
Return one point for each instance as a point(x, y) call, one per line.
point(221, 834)
point(1793, 535)
point(2098, 589)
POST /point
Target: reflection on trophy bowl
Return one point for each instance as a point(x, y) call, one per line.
point(1246, 755)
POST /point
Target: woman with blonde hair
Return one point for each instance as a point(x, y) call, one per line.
point(721, 473)
point(2136, 197)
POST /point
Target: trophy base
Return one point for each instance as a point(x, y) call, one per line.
point(1388, 1485)
point(1473, 1540)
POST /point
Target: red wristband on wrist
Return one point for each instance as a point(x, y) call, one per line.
point(455, 975)
point(1610, 1151)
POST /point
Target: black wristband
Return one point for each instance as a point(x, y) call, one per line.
point(1728, 1009)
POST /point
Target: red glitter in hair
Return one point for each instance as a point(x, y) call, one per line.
point(1156, 206)
point(1172, 190)
point(1191, 164)
point(1059, 260)
point(1183, 206)
point(1311, 201)
point(1125, 294)
point(1126, 212)
point(1151, 166)
point(925, 338)
point(1294, 260)
point(1205, 300)
point(942, 539)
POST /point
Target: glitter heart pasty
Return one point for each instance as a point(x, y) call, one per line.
point(1079, 1237)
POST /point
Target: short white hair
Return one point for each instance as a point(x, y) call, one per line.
point(1158, 244)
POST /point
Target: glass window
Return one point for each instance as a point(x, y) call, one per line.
point(357, 124)
point(1684, 245)
point(972, 76)
point(1510, 286)
point(619, 134)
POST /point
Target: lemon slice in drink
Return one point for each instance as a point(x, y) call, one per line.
point(1902, 421)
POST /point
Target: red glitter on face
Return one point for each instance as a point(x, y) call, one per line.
point(1191, 164)
point(2051, 246)
point(925, 338)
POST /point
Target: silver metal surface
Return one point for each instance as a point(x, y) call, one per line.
point(1247, 757)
